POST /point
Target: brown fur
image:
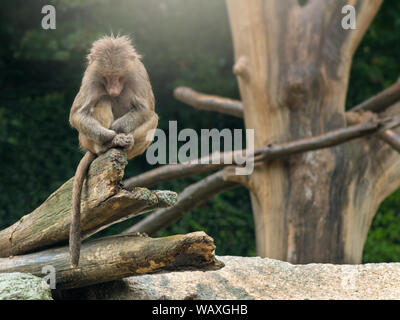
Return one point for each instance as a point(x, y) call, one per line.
point(113, 108)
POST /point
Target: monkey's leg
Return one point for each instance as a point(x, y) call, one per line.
point(94, 122)
point(142, 137)
point(102, 113)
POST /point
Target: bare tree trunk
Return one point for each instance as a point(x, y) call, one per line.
point(292, 63)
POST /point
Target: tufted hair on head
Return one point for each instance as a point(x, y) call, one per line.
point(112, 52)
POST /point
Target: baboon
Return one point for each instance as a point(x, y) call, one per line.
point(113, 108)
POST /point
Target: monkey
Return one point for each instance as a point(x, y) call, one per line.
point(115, 107)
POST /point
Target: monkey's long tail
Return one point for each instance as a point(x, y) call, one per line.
point(75, 232)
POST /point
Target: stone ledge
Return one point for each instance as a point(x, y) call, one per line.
point(257, 278)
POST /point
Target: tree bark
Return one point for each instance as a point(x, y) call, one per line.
point(104, 202)
point(292, 65)
point(118, 257)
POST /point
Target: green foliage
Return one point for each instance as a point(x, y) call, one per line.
point(228, 216)
point(375, 64)
point(383, 242)
point(184, 43)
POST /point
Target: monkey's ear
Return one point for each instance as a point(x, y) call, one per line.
point(90, 58)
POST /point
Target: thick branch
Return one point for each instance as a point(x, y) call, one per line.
point(191, 197)
point(118, 257)
point(382, 100)
point(103, 203)
point(209, 102)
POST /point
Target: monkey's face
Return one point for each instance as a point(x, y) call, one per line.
point(114, 84)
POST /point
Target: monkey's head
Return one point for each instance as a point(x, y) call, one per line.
point(113, 61)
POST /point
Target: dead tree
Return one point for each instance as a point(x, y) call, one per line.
point(321, 172)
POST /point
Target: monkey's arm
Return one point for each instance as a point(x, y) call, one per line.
point(142, 100)
point(130, 121)
point(141, 113)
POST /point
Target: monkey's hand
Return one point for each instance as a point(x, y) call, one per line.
point(107, 135)
point(122, 140)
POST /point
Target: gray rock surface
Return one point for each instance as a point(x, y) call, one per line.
point(23, 286)
point(257, 278)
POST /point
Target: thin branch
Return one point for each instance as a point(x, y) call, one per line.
point(190, 198)
point(209, 102)
point(199, 192)
point(220, 160)
point(391, 138)
point(377, 103)
point(322, 141)
point(168, 173)
point(382, 100)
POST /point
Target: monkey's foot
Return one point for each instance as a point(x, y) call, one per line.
point(122, 140)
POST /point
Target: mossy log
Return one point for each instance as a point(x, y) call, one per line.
point(117, 257)
point(104, 202)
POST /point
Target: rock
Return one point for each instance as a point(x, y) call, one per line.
point(23, 286)
point(257, 278)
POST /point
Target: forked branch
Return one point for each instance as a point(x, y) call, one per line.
point(199, 192)
point(219, 160)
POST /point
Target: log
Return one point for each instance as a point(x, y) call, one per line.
point(104, 202)
point(117, 257)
